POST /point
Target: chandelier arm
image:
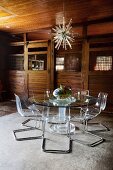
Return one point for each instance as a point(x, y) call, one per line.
point(58, 39)
point(68, 29)
point(58, 43)
point(54, 29)
point(63, 26)
point(65, 46)
point(69, 24)
point(63, 43)
point(68, 43)
point(58, 46)
point(70, 38)
point(60, 27)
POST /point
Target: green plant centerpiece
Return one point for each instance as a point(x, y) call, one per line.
point(62, 92)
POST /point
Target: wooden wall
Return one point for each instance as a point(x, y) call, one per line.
point(72, 79)
point(87, 77)
point(83, 78)
point(37, 84)
point(16, 83)
point(23, 76)
point(101, 82)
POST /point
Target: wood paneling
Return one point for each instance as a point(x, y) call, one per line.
point(72, 79)
point(102, 28)
point(27, 16)
point(85, 63)
point(37, 83)
point(16, 82)
point(32, 80)
point(101, 83)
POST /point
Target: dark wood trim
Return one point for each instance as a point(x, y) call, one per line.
point(96, 37)
point(96, 21)
point(85, 63)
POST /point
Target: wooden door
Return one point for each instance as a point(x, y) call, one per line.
point(38, 68)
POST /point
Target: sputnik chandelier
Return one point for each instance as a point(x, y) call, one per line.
point(63, 35)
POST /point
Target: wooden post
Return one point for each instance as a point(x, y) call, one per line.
point(85, 59)
point(25, 63)
point(48, 65)
point(52, 65)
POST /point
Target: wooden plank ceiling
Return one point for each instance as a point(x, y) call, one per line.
point(33, 15)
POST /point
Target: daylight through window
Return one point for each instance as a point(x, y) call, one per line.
point(103, 63)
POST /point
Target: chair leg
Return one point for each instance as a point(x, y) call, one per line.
point(26, 138)
point(56, 151)
point(59, 151)
point(87, 138)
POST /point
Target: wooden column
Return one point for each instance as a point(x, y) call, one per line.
point(85, 59)
point(25, 62)
point(48, 65)
point(52, 65)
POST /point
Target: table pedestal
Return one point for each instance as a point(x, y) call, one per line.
point(61, 124)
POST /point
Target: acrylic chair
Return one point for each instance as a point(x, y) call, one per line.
point(81, 96)
point(32, 112)
point(88, 113)
point(56, 130)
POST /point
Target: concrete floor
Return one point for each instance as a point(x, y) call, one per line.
point(28, 155)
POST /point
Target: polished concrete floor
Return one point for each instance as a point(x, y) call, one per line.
point(28, 155)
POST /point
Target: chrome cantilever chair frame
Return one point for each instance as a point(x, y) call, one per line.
point(31, 112)
point(58, 151)
point(100, 105)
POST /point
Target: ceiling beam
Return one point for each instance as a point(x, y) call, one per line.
point(97, 21)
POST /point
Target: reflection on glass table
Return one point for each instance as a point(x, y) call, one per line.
point(60, 121)
point(57, 123)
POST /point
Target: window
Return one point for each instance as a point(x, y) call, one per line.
point(59, 63)
point(103, 63)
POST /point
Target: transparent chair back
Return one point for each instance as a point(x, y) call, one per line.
point(88, 113)
point(99, 106)
point(30, 123)
point(18, 105)
point(103, 98)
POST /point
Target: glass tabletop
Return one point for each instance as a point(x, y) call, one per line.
point(59, 121)
point(66, 102)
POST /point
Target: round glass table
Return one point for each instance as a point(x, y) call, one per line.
point(59, 122)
